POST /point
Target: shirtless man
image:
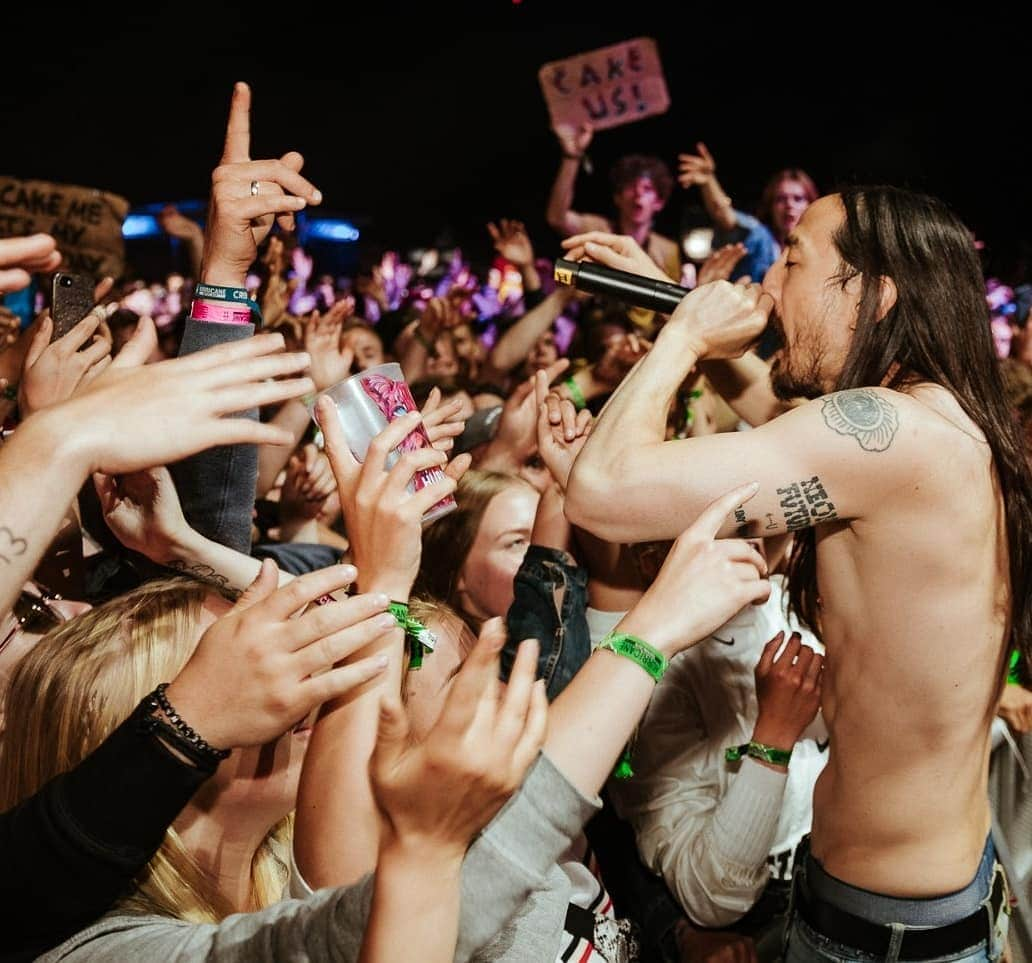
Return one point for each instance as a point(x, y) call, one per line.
point(907, 487)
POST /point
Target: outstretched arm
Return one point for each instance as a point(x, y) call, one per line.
point(560, 214)
point(831, 459)
point(700, 170)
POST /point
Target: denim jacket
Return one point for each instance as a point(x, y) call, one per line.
point(550, 596)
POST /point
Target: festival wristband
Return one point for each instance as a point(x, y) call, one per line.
point(1012, 668)
point(576, 395)
point(218, 313)
point(637, 650)
point(219, 292)
point(421, 639)
point(758, 750)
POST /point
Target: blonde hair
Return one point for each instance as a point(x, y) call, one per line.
point(78, 684)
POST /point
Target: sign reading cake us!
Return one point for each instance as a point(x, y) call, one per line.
point(87, 223)
point(607, 87)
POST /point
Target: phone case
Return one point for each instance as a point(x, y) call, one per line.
point(71, 301)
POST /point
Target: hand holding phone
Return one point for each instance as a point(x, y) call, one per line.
point(71, 300)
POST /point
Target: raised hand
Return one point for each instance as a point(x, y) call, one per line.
point(561, 430)
point(703, 582)
point(445, 788)
point(309, 483)
point(53, 371)
point(788, 691)
point(261, 668)
point(143, 511)
point(720, 319)
point(247, 196)
point(178, 225)
point(383, 519)
point(21, 257)
point(613, 250)
point(696, 169)
point(178, 407)
point(574, 141)
point(331, 359)
point(622, 354)
point(441, 420)
point(719, 265)
point(512, 242)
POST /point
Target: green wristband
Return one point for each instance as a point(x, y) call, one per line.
point(758, 750)
point(637, 650)
point(1012, 668)
point(576, 395)
point(421, 639)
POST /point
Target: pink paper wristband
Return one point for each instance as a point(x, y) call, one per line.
point(218, 312)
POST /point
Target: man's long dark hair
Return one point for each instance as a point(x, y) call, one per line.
point(938, 331)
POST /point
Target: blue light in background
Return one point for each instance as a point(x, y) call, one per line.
point(327, 229)
point(140, 225)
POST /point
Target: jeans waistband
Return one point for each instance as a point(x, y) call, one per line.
point(936, 911)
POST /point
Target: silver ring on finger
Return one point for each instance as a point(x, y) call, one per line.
point(254, 188)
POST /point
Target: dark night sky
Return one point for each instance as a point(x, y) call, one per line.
point(430, 117)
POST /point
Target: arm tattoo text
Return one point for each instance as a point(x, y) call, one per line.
point(199, 571)
point(805, 503)
point(864, 414)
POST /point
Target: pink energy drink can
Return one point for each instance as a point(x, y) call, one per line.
point(366, 403)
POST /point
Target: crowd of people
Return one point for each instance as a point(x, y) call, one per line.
point(722, 652)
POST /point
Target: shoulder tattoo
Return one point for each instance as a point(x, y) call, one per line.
point(864, 414)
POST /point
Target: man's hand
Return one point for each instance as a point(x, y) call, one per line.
point(788, 690)
point(613, 250)
point(238, 218)
point(574, 141)
point(696, 169)
point(1016, 707)
point(309, 483)
point(720, 320)
point(511, 241)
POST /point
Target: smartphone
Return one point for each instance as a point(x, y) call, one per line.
point(71, 299)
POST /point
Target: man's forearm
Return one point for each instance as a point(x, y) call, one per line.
point(40, 474)
point(635, 415)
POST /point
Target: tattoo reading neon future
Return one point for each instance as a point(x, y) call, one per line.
point(864, 414)
point(805, 503)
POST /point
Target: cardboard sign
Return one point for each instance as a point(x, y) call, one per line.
point(607, 87)
point(85, 222)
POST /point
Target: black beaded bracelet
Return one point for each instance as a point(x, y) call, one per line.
point(183, 736)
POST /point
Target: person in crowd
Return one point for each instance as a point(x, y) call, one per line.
point(864, 293)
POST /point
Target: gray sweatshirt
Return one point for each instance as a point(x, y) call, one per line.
point(514, 897)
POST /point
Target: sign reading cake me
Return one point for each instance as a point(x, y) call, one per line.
point(606, 87)
point(85, 222)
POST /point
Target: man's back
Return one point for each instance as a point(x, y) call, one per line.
point(914, 602)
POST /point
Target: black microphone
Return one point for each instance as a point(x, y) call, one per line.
point(635, 290)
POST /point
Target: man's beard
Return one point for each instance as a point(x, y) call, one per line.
point(789, 379)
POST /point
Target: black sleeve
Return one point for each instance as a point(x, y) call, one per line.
point(71, 850)
point(217, 486)
point(532, 298)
